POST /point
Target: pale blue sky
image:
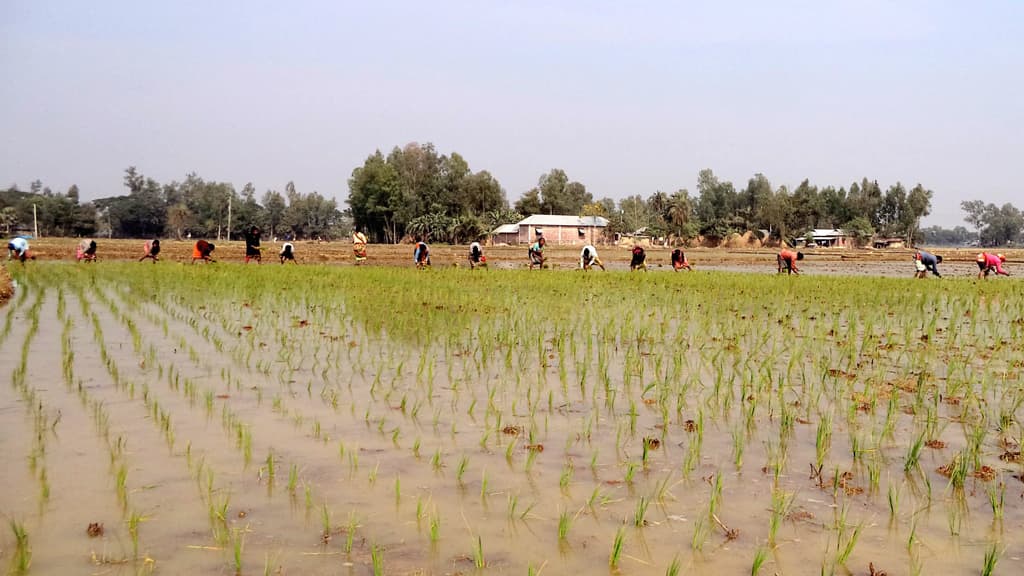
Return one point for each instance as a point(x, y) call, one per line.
point(627, 97)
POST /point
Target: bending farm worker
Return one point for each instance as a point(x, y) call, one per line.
point(287, 253)
point(639, 259)
point(359, 246)
point(252, 246)
point(787, 259)
point(421, 255)
point(925, 261)
point(589, 258)
point(202, 251)
point(988, 263)
point(536, 253)
point(86, 250)
point(679, 261)
point(18, 248)
point(476, 256)
point(152, 250)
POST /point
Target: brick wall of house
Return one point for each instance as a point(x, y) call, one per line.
point(561, 235)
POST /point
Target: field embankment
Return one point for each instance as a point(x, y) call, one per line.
point(895, 262)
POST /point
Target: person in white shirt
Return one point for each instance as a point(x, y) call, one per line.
point(287, 253)
point(589, 258)
point(476, 256)
point(18, 248)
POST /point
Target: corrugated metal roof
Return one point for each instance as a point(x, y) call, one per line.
point(827, 233)
point(507, 229)
point(560, 220)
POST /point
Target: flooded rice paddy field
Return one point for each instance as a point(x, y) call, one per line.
point(338, 420)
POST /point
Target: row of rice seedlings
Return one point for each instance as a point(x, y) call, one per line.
point(217, 505)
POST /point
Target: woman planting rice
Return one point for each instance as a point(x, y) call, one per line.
point(252, 246)
point(359, 246)
point(86, 250)
point(287, 253)
point(476, 256)
point(18, 248)
point(202, 251)
point(679, 261)
point(421, 255)
point(639, 259)
point(536, 253)
point(152, 250)
point(989, 263)
point(588, 258)
point(787, 260)
point(925, 261)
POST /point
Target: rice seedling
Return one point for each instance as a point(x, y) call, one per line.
point(350, 532)
point(22, 559)
point(701, 530)
point(270, 466)
point(988, 566)
point(616, 553)
point(134, 519)
point(781, 503)
point(478, 553)
point(377, 560)
point(996, 493)
point(673, 568)
point(435, 526)
point(237, 546)
point(325, 523)
point(894, 501)
point(566, 477)
point(640, 512)
point(760, 556)
point(846, 548)
point(564, 524)
point(293, 478)
point(954, 519)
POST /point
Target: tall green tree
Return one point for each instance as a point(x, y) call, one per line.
point(997, 225)
point(387, 193)
point(717, 206)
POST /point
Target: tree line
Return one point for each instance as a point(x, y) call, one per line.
point(415, 190)
point(192, 207)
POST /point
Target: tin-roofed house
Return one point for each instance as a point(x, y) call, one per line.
point(830, 238)
point(562, 230)
point(505, 234)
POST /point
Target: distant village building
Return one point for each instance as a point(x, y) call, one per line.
point(558, 230)
point(505, 234)
point(562, 230)
point(888, 243)
point(830, 238)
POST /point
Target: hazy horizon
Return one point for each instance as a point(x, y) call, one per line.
point(626, 98)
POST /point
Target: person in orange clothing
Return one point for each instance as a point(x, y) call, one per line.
point(989, 263)
point(679, 261)
point(202, 251)
point(787, 259)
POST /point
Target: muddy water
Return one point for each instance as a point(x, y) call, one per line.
point(358, 404)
